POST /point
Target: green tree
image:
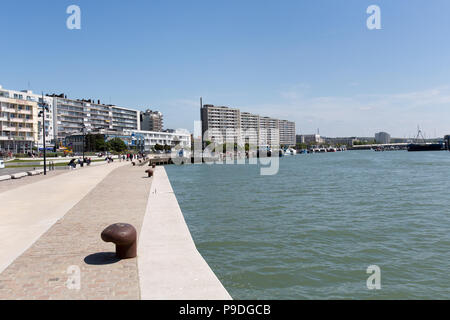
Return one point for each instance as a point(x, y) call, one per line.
point(117, 145)
point(167, 147)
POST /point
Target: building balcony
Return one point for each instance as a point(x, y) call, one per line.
point(25, 112)
point(8, 128)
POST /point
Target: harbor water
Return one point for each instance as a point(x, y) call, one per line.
point(312, 230)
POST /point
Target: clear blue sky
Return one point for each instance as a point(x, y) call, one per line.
point(311, 61)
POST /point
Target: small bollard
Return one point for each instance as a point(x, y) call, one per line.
point(150, 172)
point(124, 236)
point(133, 163)
point(153, 165)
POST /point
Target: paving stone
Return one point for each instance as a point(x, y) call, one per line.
point(41, 271)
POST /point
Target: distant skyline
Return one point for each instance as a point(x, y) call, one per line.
point(312, 62)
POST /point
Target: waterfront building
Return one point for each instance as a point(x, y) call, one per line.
point(74, 116)
point(20, 125)
point(220, 122)
point(269, 132)
point(145, 141)
point(78, 141)
point(250, 128)
point(309, 139)
point(383, 137)
point(151, 121)
point(287, 133)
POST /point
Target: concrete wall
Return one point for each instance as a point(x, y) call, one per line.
point(170, 266)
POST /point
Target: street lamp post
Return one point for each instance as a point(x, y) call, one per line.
point(84, 138)
point(44, 107)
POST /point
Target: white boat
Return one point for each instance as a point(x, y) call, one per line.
point(290, 152)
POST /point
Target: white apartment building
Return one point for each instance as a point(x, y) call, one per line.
point(221, 123)
point(74, 116)
point(287, 133)
point(149, 139)
point(269, 132)
point(243, 127)
point(250, 128)
point(20, 123)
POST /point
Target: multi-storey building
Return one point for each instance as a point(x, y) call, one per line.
point(20, 123)
point(151, 121)
point(74, 116)
point(269, 132)
point(125, 119)
point(219, 123)
point(310, 139)
point(250, 128)
point(287, 133)
point(146, 140)
point(383, 137)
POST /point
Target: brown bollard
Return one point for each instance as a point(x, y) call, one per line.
point(153, 165)
point(124, 236)
point(150, 172)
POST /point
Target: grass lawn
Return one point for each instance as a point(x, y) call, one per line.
point(62, 164)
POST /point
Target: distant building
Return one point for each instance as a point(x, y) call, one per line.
point(250, 128)
point(151, 121)
point(287, 133)
point(310, 139)
point(382, 138)
point(221, 123)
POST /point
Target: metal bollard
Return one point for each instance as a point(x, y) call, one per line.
point(124, 236)
point(149, 172)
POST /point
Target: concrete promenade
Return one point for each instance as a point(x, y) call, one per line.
point(29, 211)
point(170, 267)
point(50, 235)
point(74, 243)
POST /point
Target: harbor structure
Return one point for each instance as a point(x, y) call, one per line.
point(151, 120)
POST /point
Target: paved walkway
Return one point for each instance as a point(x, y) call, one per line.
point(28, 211)
point(8, 185)
point(74, 241)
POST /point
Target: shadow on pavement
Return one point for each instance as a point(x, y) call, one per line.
point(101, 258)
